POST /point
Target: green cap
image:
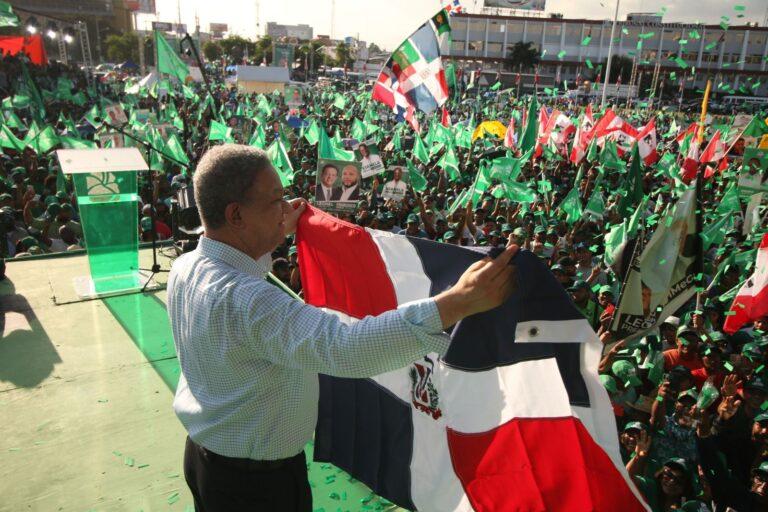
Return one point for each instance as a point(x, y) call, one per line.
point(29, 241)
point(539, 229)
point(519, 232)
point(53, 209)
point(635, 425)
point(506, 227)
point(146, 223)
point(62, 195)
point(6, 197)
point(678, 462)
point(752, 351)
point(608, 383)
point(412, 218)
point(685, 329)
point(762, 468)
point(763, 416)
point(626, 372)
point(757, 384)
point(688, 393)
point(292, 250)
point(51, 200)
point(495, 233)
point(448, 235)
point(579, 285)
point(605, 289)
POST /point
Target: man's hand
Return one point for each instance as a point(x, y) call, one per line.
point(728, 407)
point(485, 285)
point(297, 207)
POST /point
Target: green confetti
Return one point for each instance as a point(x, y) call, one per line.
point(586, 40)
point(625, 31)
point(764, 405)
point(589, 64)
point(680, 62)
point(102, 400)
point(561, 54)
point(129, 461)
point(724, 25)
point(173, 498)
point(710, 45)
point(740, 8)
point(728, 366)
point(646, 35)
point(729, 313)
point(140, 466)
point(694, 34)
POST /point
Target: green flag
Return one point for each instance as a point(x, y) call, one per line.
point(418, 181)
point(281, 162)
point(7, 17)
point(571, 205)
point(76, 143)
point(219, 131)
point(609, 156)
point(596, 204)
point(259, 138)
point(312, 134)
point(339, 102)
point(528, 139)
point(167, 60)
point(9, 140)
point(633, 185)
point(176, 150)
point(730, 201)
point(358, 130)
point(592, 151)
point(43, 141)
point(450, 164)
point(714, 233)
point(327, 149)
point(419, 150)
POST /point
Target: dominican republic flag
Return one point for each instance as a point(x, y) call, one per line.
point(512, 417)
point(583, 136)
point(454, 8)
point(751, 302)
point(413, 75)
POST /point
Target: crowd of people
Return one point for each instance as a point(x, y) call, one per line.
point(690, 401)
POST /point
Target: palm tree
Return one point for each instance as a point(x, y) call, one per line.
point(344, 55)
point(522, 55)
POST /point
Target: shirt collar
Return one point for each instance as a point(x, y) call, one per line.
point(235, 258)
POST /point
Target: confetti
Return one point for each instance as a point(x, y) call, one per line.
point(173, 498)
point(740, 8)
point(589, 64)
point(561, 54)
point(586, 40)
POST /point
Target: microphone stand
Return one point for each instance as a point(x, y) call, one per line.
point(149, 147)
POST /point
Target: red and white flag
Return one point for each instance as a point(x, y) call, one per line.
point(690, 167)
point(646, 143)
point(715, 150)
point(751, 302)
point(583, 136)
point(691, 130)
point(544, 130)
point(510, 138)
point(445, 119)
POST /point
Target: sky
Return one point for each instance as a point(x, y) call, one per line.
point(389, 22)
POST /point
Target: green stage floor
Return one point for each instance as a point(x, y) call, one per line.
point(85, 401)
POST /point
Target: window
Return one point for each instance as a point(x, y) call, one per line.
point(534, 31)
point(495, 26)
point(494, 48)
point(458, 26)
point(457, 47)
point(553, 30)
point(477, 26)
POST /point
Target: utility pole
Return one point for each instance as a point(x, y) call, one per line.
point(610, 54)
point(333, 17)
point(140, 38)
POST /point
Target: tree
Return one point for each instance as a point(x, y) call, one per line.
point(122, 47)
point(305, 52)
point(620, 65)
point(522, 55)
point(344, 57)
point(373, 48)
point(263, 49)
point(234, 48)
point(212, 51)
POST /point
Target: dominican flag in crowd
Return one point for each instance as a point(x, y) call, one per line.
point(414, 76)
point(751, 301)
point(512, 417)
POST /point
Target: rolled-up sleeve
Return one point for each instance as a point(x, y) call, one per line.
point(296, 335)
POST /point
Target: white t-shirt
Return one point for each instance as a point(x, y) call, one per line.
point(394, 190)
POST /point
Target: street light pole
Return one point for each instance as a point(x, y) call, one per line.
point(607, 79)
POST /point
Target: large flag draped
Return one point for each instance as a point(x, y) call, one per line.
point(751, 301)
point(543, 436)
point(413, 77)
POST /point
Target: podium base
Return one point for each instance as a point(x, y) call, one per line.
point(86, 288)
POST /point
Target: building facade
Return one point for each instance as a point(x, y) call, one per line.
point(301, 32)
point(736, 57)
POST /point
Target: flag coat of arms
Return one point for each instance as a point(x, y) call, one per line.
point(414, 76)
point(511, 417)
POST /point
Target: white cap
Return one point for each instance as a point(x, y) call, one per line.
point(672, 320)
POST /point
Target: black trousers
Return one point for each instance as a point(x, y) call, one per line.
point(227, 484)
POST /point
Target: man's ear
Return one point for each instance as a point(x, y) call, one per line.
point(233, 215)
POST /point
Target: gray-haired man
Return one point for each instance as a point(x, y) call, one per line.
point(250, 354)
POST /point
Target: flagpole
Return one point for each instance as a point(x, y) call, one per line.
point(699, 264)
point(610, 54)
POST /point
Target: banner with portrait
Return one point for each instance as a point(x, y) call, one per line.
point(367, 153)
point(339, 185)
point(111, 140)
point(115, 115)
point(282, 55)
point(752, 175)
point(294, 95)
point(523, 5)
point(396, 183)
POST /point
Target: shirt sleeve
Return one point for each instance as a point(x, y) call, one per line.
point(296, 335)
